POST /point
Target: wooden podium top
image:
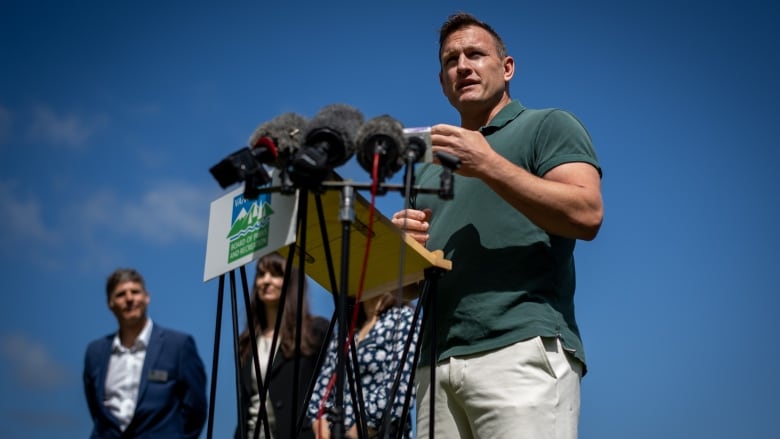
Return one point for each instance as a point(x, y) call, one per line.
point(388, 245)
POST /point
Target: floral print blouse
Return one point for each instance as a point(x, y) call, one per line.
point(379, 356)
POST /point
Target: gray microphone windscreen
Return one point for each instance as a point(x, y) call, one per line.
point(384, 135)
point(284, 131)
point(334, 128)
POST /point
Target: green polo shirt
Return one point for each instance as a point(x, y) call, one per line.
point(510, 280)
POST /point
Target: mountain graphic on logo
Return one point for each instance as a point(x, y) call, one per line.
point(250, 221)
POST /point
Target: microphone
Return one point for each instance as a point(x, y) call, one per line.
point(381, 135)
point(275, 141)
point(242, 165)
point(329, 141)
point(418, 146)
point(271, 143)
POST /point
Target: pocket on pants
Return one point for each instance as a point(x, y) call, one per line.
point(561, 362)
point(547, 351)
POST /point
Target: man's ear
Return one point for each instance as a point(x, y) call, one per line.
point(509, 68)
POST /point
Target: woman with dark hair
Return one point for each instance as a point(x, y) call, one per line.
point(381, 331)
point(264, 308)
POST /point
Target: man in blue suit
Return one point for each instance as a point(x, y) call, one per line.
point(143, 381)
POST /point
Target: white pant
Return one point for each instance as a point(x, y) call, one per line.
point(530, 389)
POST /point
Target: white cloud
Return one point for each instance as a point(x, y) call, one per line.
point(62, 129)
point(170, 211)
point(22, 218)
point(31, 364)
point(166, 213)
point(88, 230)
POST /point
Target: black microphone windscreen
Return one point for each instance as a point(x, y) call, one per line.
point(384, 135)
point(284, 131)
point(335, 127)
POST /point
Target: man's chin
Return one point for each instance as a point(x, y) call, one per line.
point(134, 319)
point(468, 102)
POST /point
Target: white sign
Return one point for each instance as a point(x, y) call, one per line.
point(242, 230)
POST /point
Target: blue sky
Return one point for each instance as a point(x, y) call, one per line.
point(111, 114)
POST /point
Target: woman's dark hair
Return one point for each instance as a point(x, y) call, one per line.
point(274, 263)
point(389, 300)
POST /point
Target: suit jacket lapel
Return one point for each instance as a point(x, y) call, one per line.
point(105, 357)
point(278, 360)
point(152, 352)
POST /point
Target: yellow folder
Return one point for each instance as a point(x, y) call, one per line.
point(388, 246)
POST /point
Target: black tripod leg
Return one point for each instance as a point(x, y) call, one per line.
point(215, 359)
point(303, 204)
point(262, 414)
point(234, 312)
point(385, 432)
point(430, 316)
point(359, 405)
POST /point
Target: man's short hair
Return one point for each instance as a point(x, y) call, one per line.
point(122, 275)
point(459, 20)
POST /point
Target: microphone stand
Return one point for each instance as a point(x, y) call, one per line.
point(347, 217)
point(427, 300)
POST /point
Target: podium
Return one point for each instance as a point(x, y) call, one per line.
point(389, 246)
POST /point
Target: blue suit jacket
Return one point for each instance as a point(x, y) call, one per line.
point(171, 396)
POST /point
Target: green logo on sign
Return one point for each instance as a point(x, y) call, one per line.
point(250, 223)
